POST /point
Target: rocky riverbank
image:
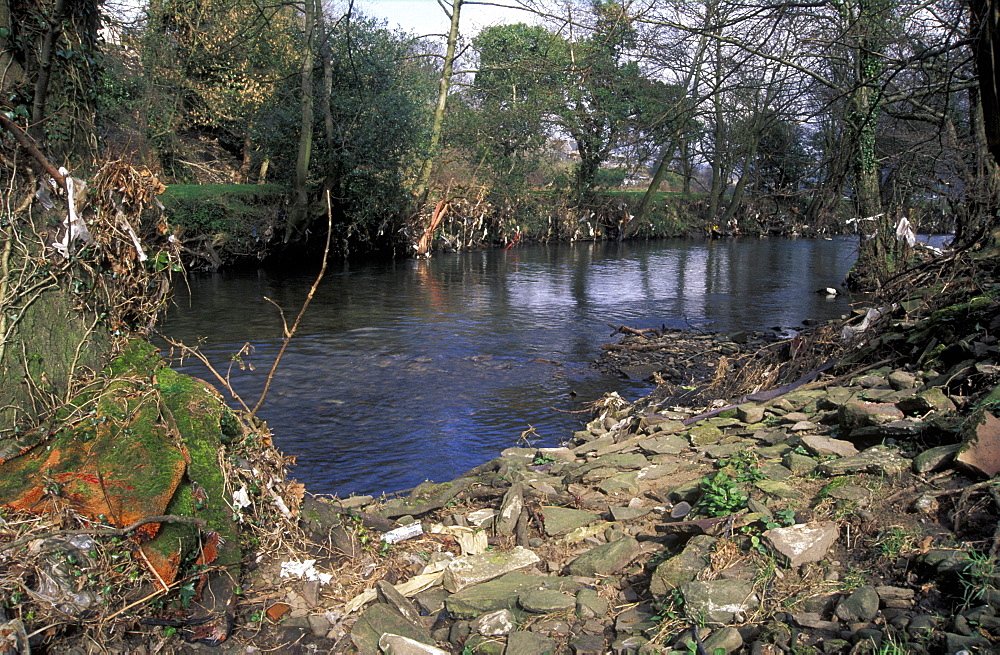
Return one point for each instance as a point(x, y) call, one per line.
point(842, 516)
point(830, 492)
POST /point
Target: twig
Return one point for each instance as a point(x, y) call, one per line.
point(107, 532)
point(204, 360)
point(295, 326)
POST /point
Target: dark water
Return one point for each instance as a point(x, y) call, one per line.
point(414, 370)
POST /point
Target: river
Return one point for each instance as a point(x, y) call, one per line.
point(410, 370)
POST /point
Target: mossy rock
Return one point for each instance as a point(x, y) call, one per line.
point(148, 446)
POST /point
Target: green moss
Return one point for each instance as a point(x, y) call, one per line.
point(139, 357)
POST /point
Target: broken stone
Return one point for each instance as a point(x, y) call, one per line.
point(860, 414)
point(502, 593)
point(590, 605)
point(380, 619)
point(803, 543)
point(779, 489)
point(981, 453)
point(704, 435)
point(605, 559)
point(799, 464)
point(936, 458)
point(399, 645)
point(636, 620)
point(825, 446)
point(719, 601)
point(543, 601)
point(671, 444)
point(750, 413)
point(628, 513)
point(560, 520)
point(627, 483)
point(493, 624)
point(683, 567)
point(727, 639)
point(510, 509)
point(860, 605)
point(877, 459)
point(388, 595)
point(931, 400)
point(529, 643)
point(473, 569)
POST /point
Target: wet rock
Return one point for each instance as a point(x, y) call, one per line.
point(529, 643)
point(605, 559)
point(719, 601)
point(380, 619)
point(981, 454)
point(683, 567)
point(860, 605)
point(493, 624)
point(860, 414)
point(560, 520)
point(727, 639)
point(544, 601)
point(936, 458)
point(803, 543)
point(590, 605)
point(473, 569)
point(877, 459)
point(825, 446)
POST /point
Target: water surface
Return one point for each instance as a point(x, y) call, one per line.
point(412, 370)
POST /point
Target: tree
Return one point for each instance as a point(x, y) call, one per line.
point(369, 126)
point(209, 67)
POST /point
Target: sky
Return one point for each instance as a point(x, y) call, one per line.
point(426, 17)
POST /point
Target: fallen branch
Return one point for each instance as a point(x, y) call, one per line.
point(26, 143)
point(107, 532)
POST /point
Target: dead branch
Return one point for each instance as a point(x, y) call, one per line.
point(26, 143)
point(295, 326)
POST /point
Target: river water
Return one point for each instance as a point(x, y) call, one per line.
point(411, 370)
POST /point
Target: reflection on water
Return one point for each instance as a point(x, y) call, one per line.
point(412, 370)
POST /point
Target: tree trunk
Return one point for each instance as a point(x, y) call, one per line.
point(298, 219)
point(424, 179)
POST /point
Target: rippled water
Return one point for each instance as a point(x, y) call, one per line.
point(412, 370)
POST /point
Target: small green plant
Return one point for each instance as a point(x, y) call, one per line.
point(542, 459)
point(721, 495)
point(894, 541)
point(980, 575)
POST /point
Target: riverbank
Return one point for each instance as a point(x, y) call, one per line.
point(835, 515)
point(221, 226)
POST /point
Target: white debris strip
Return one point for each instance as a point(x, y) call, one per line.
point(76, 229)
point(304, 570)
